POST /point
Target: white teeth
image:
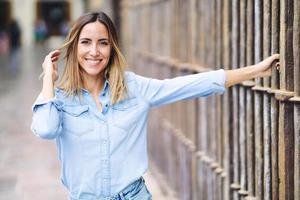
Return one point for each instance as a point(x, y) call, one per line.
point(93, 62)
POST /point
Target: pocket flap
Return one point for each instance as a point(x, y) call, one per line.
point(125, 104)
point(75, 110)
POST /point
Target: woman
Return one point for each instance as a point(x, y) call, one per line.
point(98, 113)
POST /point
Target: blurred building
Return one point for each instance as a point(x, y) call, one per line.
point(53, 14)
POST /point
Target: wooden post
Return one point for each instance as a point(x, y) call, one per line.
point(220, 109)
point(286, 127)
point(267, 103)
point(235, 186)
point(242, 104)
point(250, 102)
point(296, 50)
point(258, 113)
point(274, 102)
point(227, 125)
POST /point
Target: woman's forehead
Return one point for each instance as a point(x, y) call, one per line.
point(94, 29)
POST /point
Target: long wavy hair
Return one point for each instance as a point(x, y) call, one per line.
point(71, 80)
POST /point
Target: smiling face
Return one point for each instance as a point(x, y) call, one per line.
point(93, 49)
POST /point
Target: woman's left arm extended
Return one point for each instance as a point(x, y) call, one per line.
point(262, 69)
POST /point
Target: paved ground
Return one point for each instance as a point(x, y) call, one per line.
point(28, 165)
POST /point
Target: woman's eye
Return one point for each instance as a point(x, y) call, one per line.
point(84, 42)
point(104, 43)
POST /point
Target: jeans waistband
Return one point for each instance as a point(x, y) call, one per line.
point(129, 188)
point(126, 191)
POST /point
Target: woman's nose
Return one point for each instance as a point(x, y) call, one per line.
point(94, 51)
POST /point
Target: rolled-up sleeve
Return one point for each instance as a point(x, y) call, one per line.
point(161, 92)
point(46, 119)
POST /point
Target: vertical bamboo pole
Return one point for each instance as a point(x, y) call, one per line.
point(296, 42)
point(258, 104)
point(274, 102)
point(179, 105)
point(202, 32)
point(208, 59)
point(250, 102)
point(242, 103)
point(175, 37)
point(235, 98)
point(210, 183)
point(204, 102)
point(286, 136)
point(193, 43)
point(218, 63)
point(205, 181)
point(199, 147)
point(266, 102)
point(193, 106)
point(227, 142)
point(214, 134)
point(205, 35)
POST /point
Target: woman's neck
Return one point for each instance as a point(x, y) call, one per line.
point(93, 84)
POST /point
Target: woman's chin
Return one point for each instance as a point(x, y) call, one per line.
point(93, 73)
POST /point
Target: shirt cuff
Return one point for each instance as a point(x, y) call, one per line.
point(219, 81)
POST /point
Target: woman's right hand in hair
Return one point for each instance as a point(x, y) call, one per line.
point(50, 65)
point(50, 74)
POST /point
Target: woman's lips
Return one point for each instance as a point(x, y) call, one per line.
point(93, 61)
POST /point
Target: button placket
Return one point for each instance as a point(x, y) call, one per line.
point(105, 102)
point(105, 176)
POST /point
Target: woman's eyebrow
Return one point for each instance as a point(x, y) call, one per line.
point(101, 39)
point(84, 39)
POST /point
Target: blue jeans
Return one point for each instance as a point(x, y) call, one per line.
point(135, 191)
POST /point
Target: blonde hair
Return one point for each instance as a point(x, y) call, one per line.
point(71, 80)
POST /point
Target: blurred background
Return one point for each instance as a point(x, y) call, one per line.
point(41, 19)
point(243, 145)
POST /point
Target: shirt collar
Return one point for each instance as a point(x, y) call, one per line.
point(105, 87)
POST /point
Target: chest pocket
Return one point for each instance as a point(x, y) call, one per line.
point(124, 113)
point(77, 120)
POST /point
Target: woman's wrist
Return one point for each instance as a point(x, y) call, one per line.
point(48, 87)
point(253, 71)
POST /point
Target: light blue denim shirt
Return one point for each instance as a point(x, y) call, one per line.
point(103, 152)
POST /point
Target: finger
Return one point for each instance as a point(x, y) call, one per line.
point(55, 66)
point(54, 53)
point(53, 59)
point(275, 56)
point(274, 59)
point(277, 65)
point(56, 69)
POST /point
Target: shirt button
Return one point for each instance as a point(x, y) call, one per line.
point(104, 141)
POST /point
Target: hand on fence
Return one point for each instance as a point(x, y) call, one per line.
point(261, 69)
point(264, 67)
